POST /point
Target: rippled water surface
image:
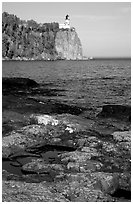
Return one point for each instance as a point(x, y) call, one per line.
point(85, 83)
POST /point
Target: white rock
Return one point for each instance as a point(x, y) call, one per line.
point(122, 136)
point(69, 129)
point(45, 119)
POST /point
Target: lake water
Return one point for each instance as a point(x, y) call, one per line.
point(91, 83)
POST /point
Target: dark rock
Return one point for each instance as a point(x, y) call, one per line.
point(22, 154)
point(16, 83)
point(116, 111)
point(16, 164)
point(60, 108)
point(121, 193)
point(20, 100)
point(43, 148)
point(8, 176)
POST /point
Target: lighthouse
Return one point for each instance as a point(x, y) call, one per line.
point(67, 21)
point(66, 24)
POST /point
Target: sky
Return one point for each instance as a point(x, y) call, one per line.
point(104, 28)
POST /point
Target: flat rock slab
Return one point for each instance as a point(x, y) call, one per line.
point(39, 166)
point(16, 191)
point(16, 82)
point(116, 111)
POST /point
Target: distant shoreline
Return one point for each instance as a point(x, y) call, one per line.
point(97, 58)
point(112, 58)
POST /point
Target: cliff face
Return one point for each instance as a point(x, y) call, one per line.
point(27, 40)
point(68, 45)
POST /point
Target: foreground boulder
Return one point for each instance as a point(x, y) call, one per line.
point(18, 82)
point(116, 111)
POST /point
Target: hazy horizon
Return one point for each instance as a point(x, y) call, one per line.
point(103, 28)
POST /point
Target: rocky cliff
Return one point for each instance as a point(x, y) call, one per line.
point(28, 40)
point(68, 45)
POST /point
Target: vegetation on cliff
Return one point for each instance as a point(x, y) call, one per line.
point(27, 39)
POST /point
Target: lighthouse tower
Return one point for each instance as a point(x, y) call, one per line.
point(66, 24)
point(67, 21)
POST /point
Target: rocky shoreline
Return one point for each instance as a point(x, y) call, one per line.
point(52, 152)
